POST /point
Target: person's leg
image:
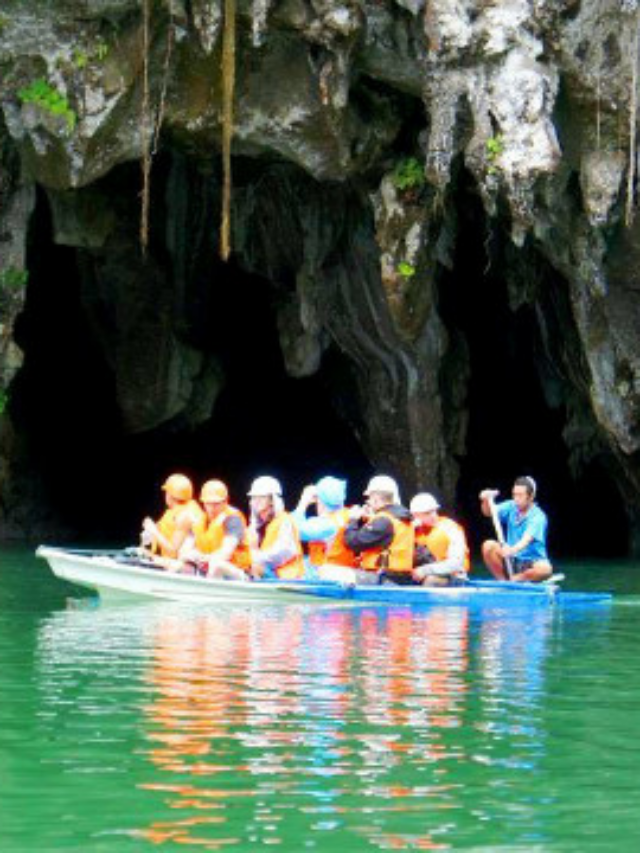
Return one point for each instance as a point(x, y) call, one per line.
point(227, 571)
point(493, 560)
point(388, 578)
point(436, 580)
point(364, 578)
point(337, 574)
point(535, 572)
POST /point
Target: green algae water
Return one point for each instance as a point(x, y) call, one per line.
point(296, 727)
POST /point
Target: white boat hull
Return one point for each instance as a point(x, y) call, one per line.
point(113, 580)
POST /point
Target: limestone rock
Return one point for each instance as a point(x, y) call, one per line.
point(529, 101)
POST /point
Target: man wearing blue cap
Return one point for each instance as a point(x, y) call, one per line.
point(323, 532)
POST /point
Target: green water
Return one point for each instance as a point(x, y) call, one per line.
point(311, 728)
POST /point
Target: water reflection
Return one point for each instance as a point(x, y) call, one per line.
point(283, 726)
point(280, 690)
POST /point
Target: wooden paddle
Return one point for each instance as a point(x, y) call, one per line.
point(508, 565)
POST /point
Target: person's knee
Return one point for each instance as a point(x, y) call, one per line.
point(542, 569)
point(490, 547)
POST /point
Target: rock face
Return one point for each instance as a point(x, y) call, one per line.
point(353, 125)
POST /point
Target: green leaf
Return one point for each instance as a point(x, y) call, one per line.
point(408, 174)
point(13, 278)
point(41, 93)
point(80, 59)
point(406, 270)
point(101, 50)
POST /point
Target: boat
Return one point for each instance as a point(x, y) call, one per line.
point(124, 575)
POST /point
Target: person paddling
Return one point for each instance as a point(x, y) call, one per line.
point(525, 545)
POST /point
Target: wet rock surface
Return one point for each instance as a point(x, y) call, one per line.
point(531, 101)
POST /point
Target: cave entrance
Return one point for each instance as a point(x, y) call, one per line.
point(512, 429)
point(99, 481)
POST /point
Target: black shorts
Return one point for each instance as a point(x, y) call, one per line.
point(522, 565)
point(398, 578)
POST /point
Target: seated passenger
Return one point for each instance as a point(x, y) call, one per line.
point(382, 535)
point(172, 535)
point(273, 536)
point(324, 532)
point(441, 544)
point(221, 536)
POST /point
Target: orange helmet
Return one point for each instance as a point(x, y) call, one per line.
point(179, 487)
point(214, 491)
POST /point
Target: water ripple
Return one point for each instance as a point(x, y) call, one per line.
point(300, 727)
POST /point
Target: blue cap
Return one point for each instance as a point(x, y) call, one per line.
point(332, 492)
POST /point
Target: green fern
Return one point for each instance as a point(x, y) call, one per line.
point(13, 279)
point(43, 95)
point(406, 270)
point(408, 174)
point(494, 148)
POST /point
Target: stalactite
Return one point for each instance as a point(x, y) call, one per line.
point(228, 86)
point(145, 130)
point(259, 14)
point(165, 83)
point(149, 127)
point(600, 61)
point(633, 123)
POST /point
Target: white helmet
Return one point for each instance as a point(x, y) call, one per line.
point(424, 502)
point(382, 483)
point(263, 487)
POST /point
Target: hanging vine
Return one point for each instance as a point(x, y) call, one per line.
point(228, 87)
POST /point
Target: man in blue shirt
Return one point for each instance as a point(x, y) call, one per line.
point(525, 541)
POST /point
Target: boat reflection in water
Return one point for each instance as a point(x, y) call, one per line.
point(320, 711)
point(394, 727)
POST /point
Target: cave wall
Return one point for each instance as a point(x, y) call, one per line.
point(532, 99)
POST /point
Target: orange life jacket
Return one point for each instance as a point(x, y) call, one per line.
point(168, 524)
point(398, 555)
point(438, 538)
point(293, 568)
point(335, 550)
point(210, 536)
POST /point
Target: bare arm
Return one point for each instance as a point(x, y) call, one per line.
point(151, 535)
point(520, 545)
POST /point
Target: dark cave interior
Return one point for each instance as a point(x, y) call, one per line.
point(101, 482)
point(512, 430)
